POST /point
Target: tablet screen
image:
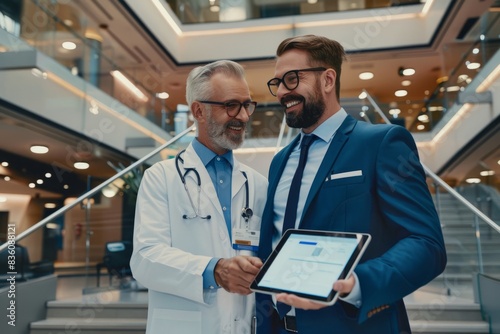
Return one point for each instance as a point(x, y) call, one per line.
point(307, 263)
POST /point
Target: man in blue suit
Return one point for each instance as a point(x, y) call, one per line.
point(358, 177)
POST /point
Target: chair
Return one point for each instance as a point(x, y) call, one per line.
point(15, 259)
point(116, 260)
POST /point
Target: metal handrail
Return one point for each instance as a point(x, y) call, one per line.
point(93, 191)
point(437, 179)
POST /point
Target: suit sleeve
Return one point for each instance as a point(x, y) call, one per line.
point(406, 207)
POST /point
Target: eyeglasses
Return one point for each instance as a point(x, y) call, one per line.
point(290, 79)
point(233, 108)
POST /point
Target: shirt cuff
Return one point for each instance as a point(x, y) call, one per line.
point(354, 297)
point(208, 275)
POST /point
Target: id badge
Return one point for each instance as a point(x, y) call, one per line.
point(244, 239)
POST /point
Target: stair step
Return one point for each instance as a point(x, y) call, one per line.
point(449, 327)
point(89, 325)
point(116, 310)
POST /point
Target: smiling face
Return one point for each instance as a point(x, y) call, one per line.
point(306, 105)
point(216, 130)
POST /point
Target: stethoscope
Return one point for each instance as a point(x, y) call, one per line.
point(246, 212)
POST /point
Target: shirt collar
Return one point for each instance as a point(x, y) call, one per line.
point(329, 127)
point(206, 155)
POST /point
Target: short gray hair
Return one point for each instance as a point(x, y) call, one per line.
point(197, 85)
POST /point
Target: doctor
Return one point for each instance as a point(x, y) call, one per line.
point(358, 177)
point(198, 216)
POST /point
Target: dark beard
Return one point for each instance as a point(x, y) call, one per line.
point(309, 115)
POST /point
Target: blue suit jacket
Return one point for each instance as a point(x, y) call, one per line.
point(390, 201)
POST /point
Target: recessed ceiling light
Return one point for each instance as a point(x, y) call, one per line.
point(487, 173)
point(39, 181)
point(81, 165)
point(32, 185)
point(5, 164)
point(473, 180)
point(6, 178)
point(39, 149)
point(66, 186)
point(423, 118)
point(69, 45)
point(472, 66)
point(420, 127)
point(50, 205)
point(401, 93)
point(48, 175)
point(408, 71)
point(269, 113)
point(366, 75)
point(405, 83)
point(162, 95)
point(362, 96)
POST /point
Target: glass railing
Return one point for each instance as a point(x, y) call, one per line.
point(473, 54)
point(470, 224)
point(193, 11)
point(59, 30)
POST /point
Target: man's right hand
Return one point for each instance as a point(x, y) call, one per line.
point(237, 273)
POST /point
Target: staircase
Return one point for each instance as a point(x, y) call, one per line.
point(444, 306)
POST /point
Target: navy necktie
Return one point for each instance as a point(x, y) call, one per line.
point(293, 195)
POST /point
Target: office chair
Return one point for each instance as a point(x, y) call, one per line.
point(116, 260)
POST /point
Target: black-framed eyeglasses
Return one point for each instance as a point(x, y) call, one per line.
point(290, 79)
point(233, 108)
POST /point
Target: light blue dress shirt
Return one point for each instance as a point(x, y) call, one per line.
point(220, 169)
point(325, 133)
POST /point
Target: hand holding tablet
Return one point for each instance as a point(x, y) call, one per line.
point(307, 263)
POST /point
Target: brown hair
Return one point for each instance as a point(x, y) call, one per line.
point(323, 52)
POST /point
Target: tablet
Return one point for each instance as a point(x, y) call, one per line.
point(308, 262)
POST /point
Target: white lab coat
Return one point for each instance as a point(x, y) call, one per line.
point(171, 253)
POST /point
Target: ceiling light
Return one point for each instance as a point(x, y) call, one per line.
point(362, 96)
point(472, 66)
point(214, 9)
point(32, 185)
point(487, 173)
point(405, 83)
point(50, 205)
point(68, 22)
point(366, 75)
point(5, 164)
point(48, 175)
point(130, 86)
point(405, 72)
point(69, 45)
point(66, 186)
point(401, 93)
point(453, 89)
point(81, 165)
point(475, 51)
point(162, 95)
point(39, 181)
point(7, 178)
point(473, 180)
point(39, 73)
point(420, 127)
point(423, 118)
point(3, 199)
point(39, 149)
point(395, 111)
point(269, 113)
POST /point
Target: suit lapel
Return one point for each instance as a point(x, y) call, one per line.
point(326, 167)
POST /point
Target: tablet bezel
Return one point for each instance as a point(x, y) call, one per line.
point(363, 241)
